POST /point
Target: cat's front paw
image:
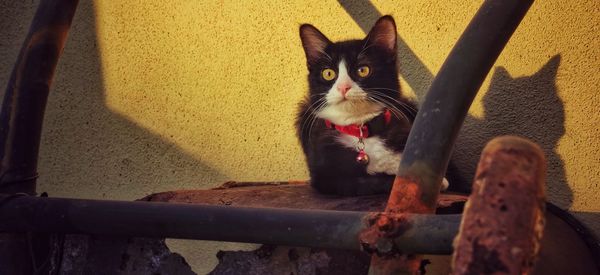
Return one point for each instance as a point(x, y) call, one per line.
point(445, 185)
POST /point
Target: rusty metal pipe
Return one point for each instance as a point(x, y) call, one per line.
point(429, 234)
point(438, 122)
point(431, 140)
point(27, 92)
point(503, 220)
point(21, 120)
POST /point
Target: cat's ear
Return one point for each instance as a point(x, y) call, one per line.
point(314, 42)
point(383, 34)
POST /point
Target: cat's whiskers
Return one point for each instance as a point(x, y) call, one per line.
point(404, 105)
point(395, 111)
point(310, 111)
point(314, 119)
point(364, 50)
point(364, 45)
point(395, 100)
point(318, 94)
point(398, 113)
point(326, 55)
point(386, 105)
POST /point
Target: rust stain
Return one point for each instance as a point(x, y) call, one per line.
point(504, 218)
point(406, 198)
point(382, 229)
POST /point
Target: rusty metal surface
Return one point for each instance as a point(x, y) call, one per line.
point(295, 194)
point(21, 120)
point(396, 234)
point(27, 92)
point(503, 220)
point(436, 126)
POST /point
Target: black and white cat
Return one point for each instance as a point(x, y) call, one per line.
point(354, 123)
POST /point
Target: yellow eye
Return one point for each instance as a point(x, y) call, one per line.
point(328, 74)
point(363, 71)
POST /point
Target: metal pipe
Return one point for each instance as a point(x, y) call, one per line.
point(510, 187)
point(21, 120)
point(27, 92)
point(312, 228)
point(438, 122)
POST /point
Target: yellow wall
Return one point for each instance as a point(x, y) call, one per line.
point(160, 95)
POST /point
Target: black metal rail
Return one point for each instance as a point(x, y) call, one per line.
point(436, 127)
point(27, 92)
point(430, 234)
point(21, 121)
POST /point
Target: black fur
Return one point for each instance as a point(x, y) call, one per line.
point(333, 168)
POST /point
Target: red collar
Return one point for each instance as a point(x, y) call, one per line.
point(354, 129)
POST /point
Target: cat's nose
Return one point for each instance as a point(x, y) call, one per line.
point(343, 88)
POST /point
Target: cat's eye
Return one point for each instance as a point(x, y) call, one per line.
point(328, 74)
point(363, 71)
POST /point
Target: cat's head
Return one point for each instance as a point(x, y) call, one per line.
point(352, 81)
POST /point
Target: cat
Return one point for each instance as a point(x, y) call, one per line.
point(355, 121)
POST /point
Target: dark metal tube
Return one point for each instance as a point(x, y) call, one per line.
point(27, 92)
point(21, 120)
point(313, 228)
point(438, 122)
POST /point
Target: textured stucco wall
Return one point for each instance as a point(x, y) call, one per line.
point(152, 95)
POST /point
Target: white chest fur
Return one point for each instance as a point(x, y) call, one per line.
point(381, 159)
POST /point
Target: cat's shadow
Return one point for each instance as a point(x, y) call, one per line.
point(526, 106)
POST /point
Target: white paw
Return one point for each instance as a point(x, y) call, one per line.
point(445, 184)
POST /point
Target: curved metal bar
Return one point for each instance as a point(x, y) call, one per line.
point(27, 92)
point(21, 121)
point(431, 140)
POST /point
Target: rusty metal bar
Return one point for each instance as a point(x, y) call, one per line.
point(27, 92)
point(503, 220)
point(21, 120)
point(438, 122)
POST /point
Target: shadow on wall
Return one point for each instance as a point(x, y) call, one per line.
point(120, 160)
point(526, 106)
point(523, 106)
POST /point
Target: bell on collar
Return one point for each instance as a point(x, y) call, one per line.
point(362, 157)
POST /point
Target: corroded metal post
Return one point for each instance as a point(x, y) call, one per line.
point(27, 92)
point(21, 125)
point(438, 122)
point(503, 220)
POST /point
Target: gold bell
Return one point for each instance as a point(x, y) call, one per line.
point(362, 157)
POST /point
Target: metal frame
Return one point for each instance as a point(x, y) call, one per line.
point(431, 234)
point(441, 115)
point(415, 189)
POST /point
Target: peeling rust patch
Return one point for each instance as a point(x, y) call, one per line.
point(406, 197)
point(503, 220)
point(382, 228)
